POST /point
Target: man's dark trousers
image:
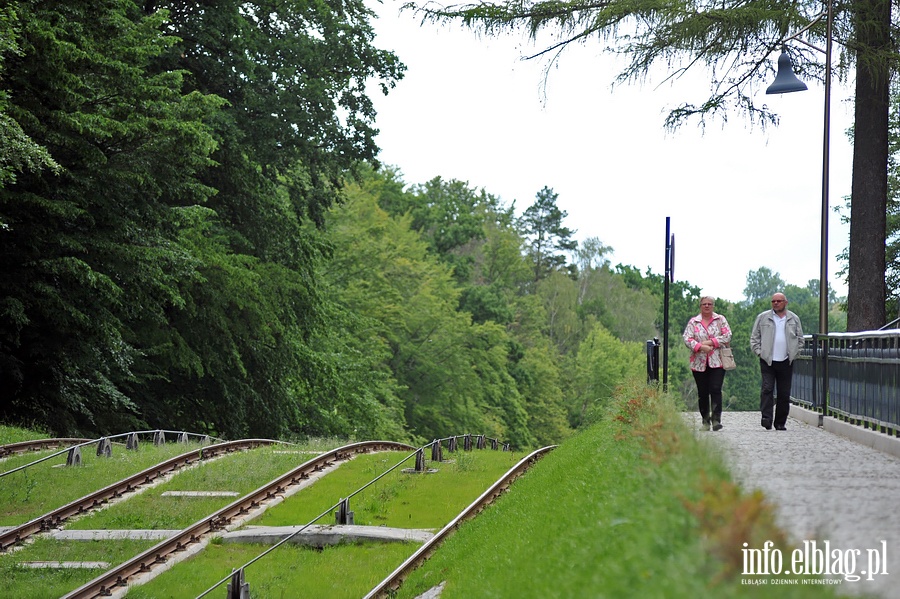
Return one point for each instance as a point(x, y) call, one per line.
point(777, 378)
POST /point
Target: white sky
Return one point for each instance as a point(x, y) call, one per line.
point(739, 198)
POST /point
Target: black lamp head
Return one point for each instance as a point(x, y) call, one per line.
point(785, 80)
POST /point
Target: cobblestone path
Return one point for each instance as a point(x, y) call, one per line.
point(825, 488)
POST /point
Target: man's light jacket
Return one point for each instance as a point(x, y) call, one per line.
point(762, 338)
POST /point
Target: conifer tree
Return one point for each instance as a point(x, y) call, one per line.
point(542, 226)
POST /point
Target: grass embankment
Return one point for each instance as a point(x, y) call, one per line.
point(14, 434)
point(634, 506)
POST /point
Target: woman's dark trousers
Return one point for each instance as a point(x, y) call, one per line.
point(709, 387)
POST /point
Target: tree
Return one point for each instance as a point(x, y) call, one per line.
point(876, 58)
point(163, 274)
point(18, 152)
point(559, 294)
point(92, 248)
point(602, 363)
point(451, 217)
point(298, 117)
point(734, 41)
point(451, 375)
point(762, 284)
point(892, 259)
point(542, 225)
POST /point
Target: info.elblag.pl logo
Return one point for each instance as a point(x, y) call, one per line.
point(813, 559)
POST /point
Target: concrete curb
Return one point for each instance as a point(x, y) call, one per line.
point(323, 536)
point(111, 535)
point(858, 434)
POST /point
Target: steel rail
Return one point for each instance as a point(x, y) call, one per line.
point(38, 445)
point(121, 575)
point(96, 499)
point(388, 586)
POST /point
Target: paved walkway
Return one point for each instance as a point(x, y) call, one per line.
point(825, 488)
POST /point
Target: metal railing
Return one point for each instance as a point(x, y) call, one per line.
point(855, 376)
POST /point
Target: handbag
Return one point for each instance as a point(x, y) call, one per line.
point(727, 356)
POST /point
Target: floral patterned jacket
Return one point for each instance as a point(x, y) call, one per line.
point(695, 334)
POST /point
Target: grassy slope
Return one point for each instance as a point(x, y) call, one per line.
point(634, 506)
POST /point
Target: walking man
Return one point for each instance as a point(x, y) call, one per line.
point(776, 338)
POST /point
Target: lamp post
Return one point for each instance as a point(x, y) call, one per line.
point(785, 82)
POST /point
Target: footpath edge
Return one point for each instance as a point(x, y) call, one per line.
point(858, 434)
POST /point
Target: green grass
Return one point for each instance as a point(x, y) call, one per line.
point(399, 499)
point(240, 472)
point(632, 507)
point(348, 571)
point(39, 489)
point(27, 583)
point(14, 434)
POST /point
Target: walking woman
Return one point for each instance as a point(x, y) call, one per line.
point(704, 335)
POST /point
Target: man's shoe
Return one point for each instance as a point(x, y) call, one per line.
point(781, 428)
point(767, 424)
point(705, 425)
point(717, 426)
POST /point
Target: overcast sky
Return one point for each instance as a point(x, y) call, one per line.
point(739, 197)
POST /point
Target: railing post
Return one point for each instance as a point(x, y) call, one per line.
point(824, 380)
point(420, 461)
point(436, 454)
point(815, 371)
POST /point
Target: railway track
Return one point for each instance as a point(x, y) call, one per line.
point(120, 576)
point(191, 539)
point(38, 445)
point(387, 587)
point(94, 500)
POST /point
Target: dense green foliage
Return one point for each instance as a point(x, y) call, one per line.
point(161, 273)
point(196, 236)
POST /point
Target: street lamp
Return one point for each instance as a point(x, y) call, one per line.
point(786, 82)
